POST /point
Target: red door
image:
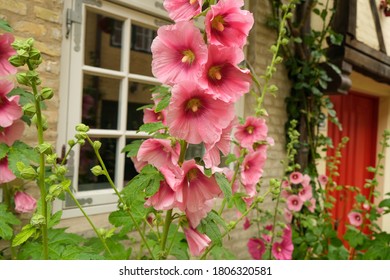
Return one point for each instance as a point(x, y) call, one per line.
point(358, 115)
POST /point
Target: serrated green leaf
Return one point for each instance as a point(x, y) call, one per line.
point(164, 102)
point(3, 150)
point(152, 127)
point(385, 203)
point(225, 186)
point(21, 152)
point(55, 219)
point(7, 220)
point(131, 149)
point(5, 26)
point(354, 237)
point(27, 231)
point(122, 219)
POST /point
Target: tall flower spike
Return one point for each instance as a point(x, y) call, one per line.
point(227, 24)
point(179, 53)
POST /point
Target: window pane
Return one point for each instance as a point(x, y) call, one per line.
point(103, 41)
point(140, 53)
point(100, 102)
point(139, 95)
point(130, 169)
point(88, 181)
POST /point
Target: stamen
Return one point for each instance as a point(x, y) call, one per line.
point(250, 129)
point(192, 2)
point(188, 56)
point(215, 73)
point(218, 23)
point(193, 105)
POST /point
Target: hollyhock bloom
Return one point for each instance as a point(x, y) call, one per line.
point(305, 193)
point(6, 51)
point(195, 116)
point(323, 179)
point(195, 188)
point(179, 53)
point(252, 131)
point(267, 236)
point(256, 248)
point(296, 178)
point(150, 116)
point(247, 223)
point(283, 250)
point(10, 109)
point(197, 242)
point(306, 180)
point(287, 215)
point(228, 25)
point(285, 193)
point(182, 10)
point(366, 206)
point(294, 203)
point(380, 210)
point(138, 164)
point(10, 134)
point(250, 189)
point(285, 184)
point(195, 217)
point(212, 156)
point(221, 76)
point(252, 167)
point(24, 203)
point(159, 152)
point(312, 206)
point(355, 218)
point(6, 174)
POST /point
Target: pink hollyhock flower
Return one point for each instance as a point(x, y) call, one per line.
point(6, 51)
point(195, 188)
point(296, 178)
point(10, 109)
point(6, 174)
point(150, 116)
point(283, 250)
point(250, 189)
point(212, 156)
point(197, 242)
point(380, 210)
point(305, 193)
point(312, 205)
point(183, 10)
point(221, 76)
point(179, 53)
point(252, 131)
point(195, 217)
point(366, 206)
point(195, 116)
point(256, 248)
point(10, 134)
point(306, 180)
point(138, 164)
point(252, 167)
point(24, 203)
point(247, 223)
point(355, 218)
point(294, 203)
point(287, 215)
point(285, 184)
point(159, 152)
point(323, 179)
point(228, 25)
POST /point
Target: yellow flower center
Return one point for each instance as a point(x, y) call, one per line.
point(192, 2)
point(218, 23)
point(250, 129)
point(192, 174)
point(188, 57)
point(194, 105)
point(215, 73)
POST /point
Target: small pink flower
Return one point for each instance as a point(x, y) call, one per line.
point(252, 167)
point(355, 218)
point(287, 215)
point(10, 134)
point(182, 10)
point(247, 223)
point(380, 210)
point(306, 180)
point(179, 53)
point(222, 78)
point(312, 206)
point(256, 248)
point(294, 203)
point(6, 51)
point(366, 206)
point(150, 116)
point(10, 109)
point(283, 250)
point(305, 193)
point(254, 129)
point(197, 242)
point(6, 174)
point(194, 217)
point(228, 25)
point(195, 116)
point(285, 184)
point(323, 179)
point(296, 178)
point(159, 152)
point(24, 203)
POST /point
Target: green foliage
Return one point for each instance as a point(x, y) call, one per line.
point(7, 221)
point(5, 26)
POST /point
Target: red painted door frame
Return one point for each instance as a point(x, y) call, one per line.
point(358, 115)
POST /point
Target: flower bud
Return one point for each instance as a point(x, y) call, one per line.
point(47, 93)
point(26, 172)
point(82, 128)
point(45, 148)
point(37, 220)
point(29, 109)
point(61, 170)
point(97, 170)
point(97, 145)
point(22, 79)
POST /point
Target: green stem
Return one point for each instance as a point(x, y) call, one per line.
point(122, 201)
point(167, 224)
point(236, 170)
point(89, 221)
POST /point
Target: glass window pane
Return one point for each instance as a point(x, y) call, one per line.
point(140, 53)
point(139, 95)
point(103, 41)
point(88, 181)
point(100, 102)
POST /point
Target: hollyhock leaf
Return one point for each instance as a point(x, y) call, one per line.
point(222, 253)
point(6, 223)
point(21, 152)
point(5, 26)
point(55, 219)
point(151, 128)
point(385, 203)
point(354, 237)
point(164, 102)
point(121, 218)
point(224, 184)
point(211, 229)
point(337, 253)
point(131, 149)
point(3, 150)
point(27, 231)
point(213, 215)
point(238, 201)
